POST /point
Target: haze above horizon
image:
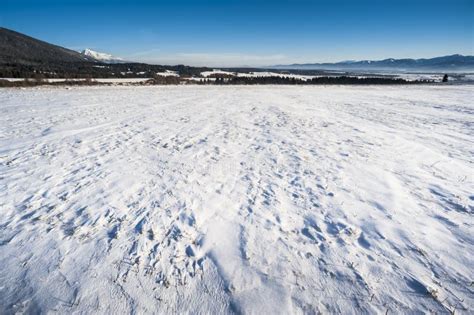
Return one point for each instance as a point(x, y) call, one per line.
point(249, 33)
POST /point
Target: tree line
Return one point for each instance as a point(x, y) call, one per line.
point(327, 80)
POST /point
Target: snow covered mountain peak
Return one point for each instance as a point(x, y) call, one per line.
point(99, 56)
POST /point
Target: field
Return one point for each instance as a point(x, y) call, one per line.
point(261, 199)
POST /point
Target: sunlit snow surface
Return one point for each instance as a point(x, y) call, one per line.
point(261, 199)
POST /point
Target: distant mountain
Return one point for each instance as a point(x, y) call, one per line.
point(16, 48)
point(445, 63)
point(102, 57)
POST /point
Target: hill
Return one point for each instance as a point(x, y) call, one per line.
point(22, 56)
point(17, 48)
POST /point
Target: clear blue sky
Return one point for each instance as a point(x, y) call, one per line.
point(234, 33)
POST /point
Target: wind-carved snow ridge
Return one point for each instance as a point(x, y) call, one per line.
point(254, 199)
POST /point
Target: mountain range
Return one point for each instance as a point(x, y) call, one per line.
point(25, 56)
point(444, 63)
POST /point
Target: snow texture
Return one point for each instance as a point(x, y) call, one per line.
point(261, 199)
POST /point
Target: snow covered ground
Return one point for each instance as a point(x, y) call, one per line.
point(102, 80)
point(261, 74)
point(168, 73)
point(255, 199)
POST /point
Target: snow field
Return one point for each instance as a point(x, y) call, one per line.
point(255, 199)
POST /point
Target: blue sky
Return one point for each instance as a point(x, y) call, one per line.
point(237, 33)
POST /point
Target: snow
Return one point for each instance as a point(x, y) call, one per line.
point(199, 79)
point(13, 79)
point(99, 56)
point(256, 74)
point(216, 71)
point(103, 80)
point(246, 199)
point(122, 80)
point(168, 73)
point(275, 74)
